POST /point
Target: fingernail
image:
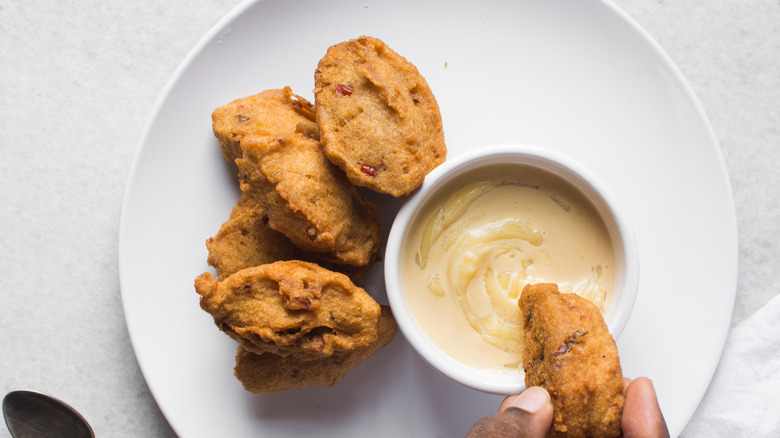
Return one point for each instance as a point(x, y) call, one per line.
point(531, 400)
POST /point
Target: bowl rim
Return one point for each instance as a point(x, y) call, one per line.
point(627, 279)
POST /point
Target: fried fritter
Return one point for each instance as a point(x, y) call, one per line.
point(309, 200)
point(291, 307)
point(269, 372)
point(271, 113)
point(378, 119)
point(245, 240)
point(569, 351)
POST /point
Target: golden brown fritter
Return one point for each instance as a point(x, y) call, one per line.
point(246, 240)
point(379, 120)
point(569, 351)
point(271, 113)
point(309, 200)
point(291, 307)
point(269, 372)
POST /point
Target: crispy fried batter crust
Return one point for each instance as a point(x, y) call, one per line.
point(309, 200)
point(291, 307)
point(246, 240)
point(569, 351)
point(269, 372)
point(271, 113)
point(378, 118)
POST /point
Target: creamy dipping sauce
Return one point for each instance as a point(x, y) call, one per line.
point(481, 240)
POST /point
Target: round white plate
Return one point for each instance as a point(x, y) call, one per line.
point(578, 76)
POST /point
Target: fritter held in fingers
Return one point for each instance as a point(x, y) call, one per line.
point(291, 307)
point(269, 113)
point(269, 372)
point(378, 118)
point(308, 199)
point(569, 351)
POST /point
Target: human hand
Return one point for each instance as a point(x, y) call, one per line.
point(642, 417)
point(530, 414)
point(527, 415)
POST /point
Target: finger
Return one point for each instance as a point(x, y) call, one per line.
point(507, 402)
point(533, 399)
point(642, 417)
point(528, 415)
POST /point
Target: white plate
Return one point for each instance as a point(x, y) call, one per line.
point(577, 76)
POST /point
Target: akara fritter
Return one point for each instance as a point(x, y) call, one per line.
point(245, 240)
point(271, 113)
point(291, 307)
point(269, 372)
point(379, 121)
point(569, 351)
point(308, 199)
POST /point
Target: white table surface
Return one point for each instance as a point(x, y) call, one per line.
point(78, 82)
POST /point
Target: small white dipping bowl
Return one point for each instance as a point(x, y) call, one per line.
point(619, 305)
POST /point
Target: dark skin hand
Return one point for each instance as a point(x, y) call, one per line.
point(530, 414)
point(642, 417)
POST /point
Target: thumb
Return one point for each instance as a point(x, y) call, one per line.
point(528, 415)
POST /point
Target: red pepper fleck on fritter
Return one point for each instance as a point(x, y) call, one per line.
point(344, 90)
point(368, 170)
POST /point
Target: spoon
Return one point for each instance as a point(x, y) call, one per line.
point(31, 414)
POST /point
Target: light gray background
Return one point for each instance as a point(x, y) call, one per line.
point(78, 82)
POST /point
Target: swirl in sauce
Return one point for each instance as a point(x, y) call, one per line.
point(484, 238)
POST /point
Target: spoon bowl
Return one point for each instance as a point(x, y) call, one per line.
point(31, 414)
